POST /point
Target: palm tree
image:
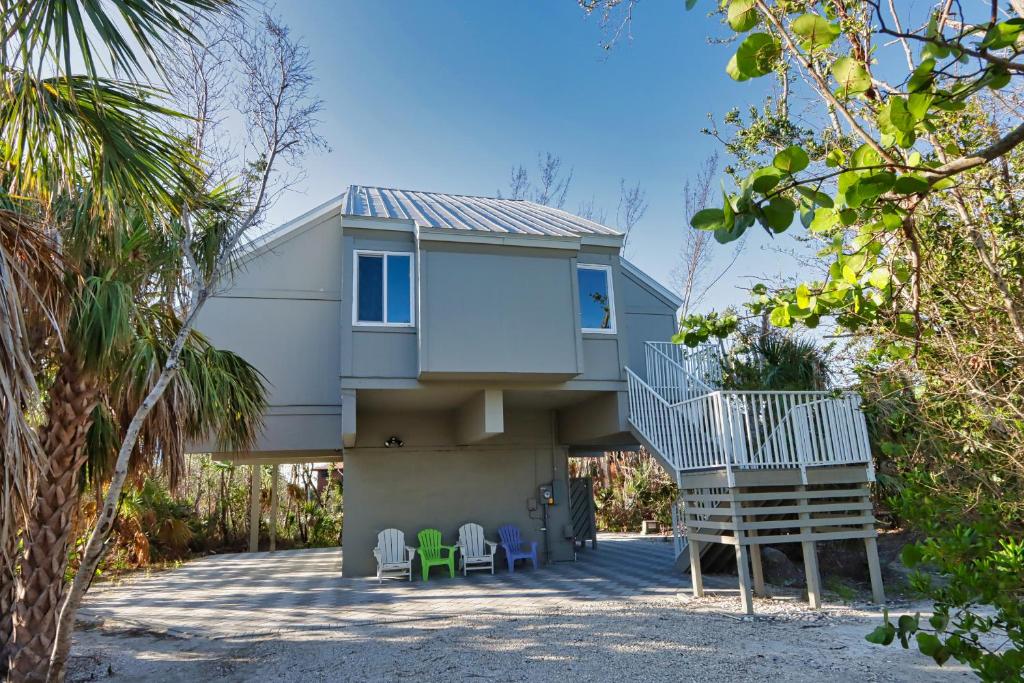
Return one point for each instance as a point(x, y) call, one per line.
point(776, 360)
point(104, 143)
point(115, 343)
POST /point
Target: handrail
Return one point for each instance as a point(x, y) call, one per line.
point(673, 362)
point(742, 429)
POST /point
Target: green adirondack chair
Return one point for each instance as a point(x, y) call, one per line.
point(431, 550)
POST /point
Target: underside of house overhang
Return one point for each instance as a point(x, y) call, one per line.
point(467, 413)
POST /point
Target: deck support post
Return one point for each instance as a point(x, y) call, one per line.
point(810, 553)
point(743, 569)
point(813, 575)
point(273, 506)
point(758, 568)
point(874, 566)
point(695, 574)
point(254, 508)
point(875, 570)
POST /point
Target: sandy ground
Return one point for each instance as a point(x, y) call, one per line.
point(402, 631)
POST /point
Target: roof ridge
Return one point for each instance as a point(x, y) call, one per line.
point(450, 194)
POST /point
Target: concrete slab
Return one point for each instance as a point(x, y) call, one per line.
point(251, 594)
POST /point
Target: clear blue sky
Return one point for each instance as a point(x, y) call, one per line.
point(448, 96)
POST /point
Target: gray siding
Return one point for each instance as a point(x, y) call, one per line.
point(369, 351)
point(494, 311)
point(648, 317)
point(281, 311)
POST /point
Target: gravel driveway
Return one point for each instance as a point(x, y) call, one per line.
point(619, 613)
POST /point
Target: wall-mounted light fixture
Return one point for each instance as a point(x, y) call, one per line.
point(393, 442)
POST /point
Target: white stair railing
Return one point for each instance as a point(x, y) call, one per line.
point(694, 427)
point(703, 363)
point(670, 379)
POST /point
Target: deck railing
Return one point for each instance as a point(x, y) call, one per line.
point(667, 377)
point(703, 363)
point(743, 429)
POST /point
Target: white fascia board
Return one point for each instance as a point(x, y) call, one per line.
point(290, 229)
point(614, 241)
point(427, 234)
point(376, 223)
point(661, 290)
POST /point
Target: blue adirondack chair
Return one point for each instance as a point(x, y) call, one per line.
point(515, 548)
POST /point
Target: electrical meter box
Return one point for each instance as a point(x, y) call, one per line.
point(547, 494)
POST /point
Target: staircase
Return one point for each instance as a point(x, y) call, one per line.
point(683, 417)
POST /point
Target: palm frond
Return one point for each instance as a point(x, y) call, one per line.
point(109, 136)
point(115, 32)
point(30, 281)
point(214, 395)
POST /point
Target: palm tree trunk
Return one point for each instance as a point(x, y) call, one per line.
point(7, 593)
point(43, 564)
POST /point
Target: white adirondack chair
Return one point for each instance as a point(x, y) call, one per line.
point(394, 557)
point(472, 554)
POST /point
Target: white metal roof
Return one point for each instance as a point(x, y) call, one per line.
point(465, 212)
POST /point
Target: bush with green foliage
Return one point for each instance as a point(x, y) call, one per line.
point(906, 170)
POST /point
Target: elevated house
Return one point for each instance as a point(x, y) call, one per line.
point(456, 350)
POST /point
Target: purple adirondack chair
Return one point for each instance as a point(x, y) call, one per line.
point(514, 547)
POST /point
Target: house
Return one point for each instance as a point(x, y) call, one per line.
point(453, 350)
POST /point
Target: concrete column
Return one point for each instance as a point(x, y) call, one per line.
point(273, 506)
point(254, 508)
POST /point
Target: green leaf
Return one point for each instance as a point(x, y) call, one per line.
point(918, 104)
point(894, 116)
point(742, 15)
point(911, 555)
point(756, 56)
point(815, 31)
point(708, 219)
point(928, 643)
point(882, 635)
point(880, 278)
point(791, 160)
point(803, 296)
point(780, 316)
point(907, 624)
point(690, 4)
point(835, 158)
point(764, 179)
point(1003, 34)
point(865, 156)
point(870, 187)
point(922, 77)
point(996, 77)
point(852, 76)
point(815, 197)
point(726, 235)
point(938, 621)
point(778, 213)
point(910, 184)
point(824, 220)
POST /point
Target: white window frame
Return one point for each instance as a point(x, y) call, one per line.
point(356, 322)
point(611, 299)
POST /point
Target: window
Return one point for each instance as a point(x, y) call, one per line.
point(383, 288)
point(597, 305)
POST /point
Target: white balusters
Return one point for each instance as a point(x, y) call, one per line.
point(695, 426)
